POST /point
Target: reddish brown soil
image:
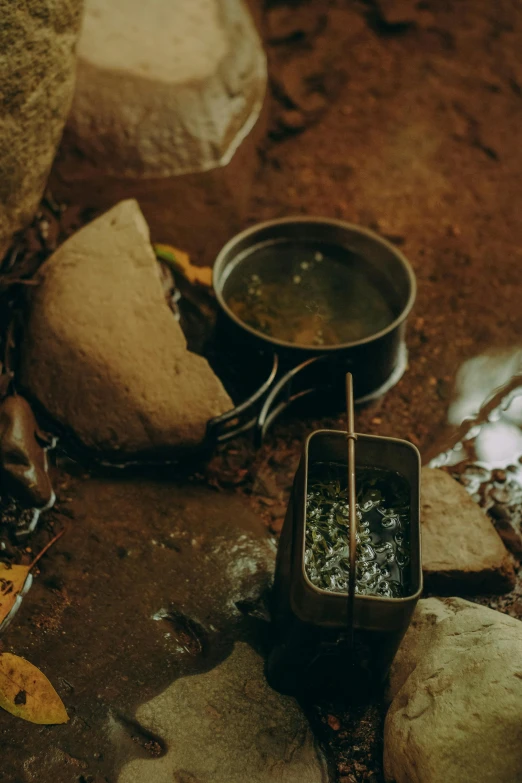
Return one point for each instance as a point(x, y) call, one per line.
point(404, 117)
point(410, 114)
point(422, 144)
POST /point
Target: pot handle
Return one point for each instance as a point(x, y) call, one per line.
point(232, 423)
point(301, 381)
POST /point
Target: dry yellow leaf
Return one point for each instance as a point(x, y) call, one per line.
point(27, 693)
point(180, 261)
point(12, 583)
point(15, 581)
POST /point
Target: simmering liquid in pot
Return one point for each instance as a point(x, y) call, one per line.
point(310, 294)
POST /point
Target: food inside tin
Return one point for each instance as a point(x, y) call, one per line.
point(383, 524)
point(310, 294)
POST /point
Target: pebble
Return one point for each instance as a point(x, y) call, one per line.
point(334, 723)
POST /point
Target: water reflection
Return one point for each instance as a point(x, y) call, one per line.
point(479, 379)
point(483, 445)
point(497, 443)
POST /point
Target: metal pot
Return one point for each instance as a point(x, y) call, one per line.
point(311, 623)
point(294, 371)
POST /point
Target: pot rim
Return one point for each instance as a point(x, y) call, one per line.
point(217, 277)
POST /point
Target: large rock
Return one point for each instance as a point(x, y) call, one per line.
point(228, 726)
point(456, 690)
point(103, 352)
point(460, 547)
point(37, 40)
point(167, 96)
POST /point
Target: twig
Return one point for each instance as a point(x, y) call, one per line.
point(46, 547)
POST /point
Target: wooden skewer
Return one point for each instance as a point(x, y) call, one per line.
point(352, 501)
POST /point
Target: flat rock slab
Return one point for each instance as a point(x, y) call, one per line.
point(103, 352)
point(461, 550)
point(227, 726)
point(152, 581)
point(456, 691)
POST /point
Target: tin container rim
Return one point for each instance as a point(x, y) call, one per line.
point(358, 597)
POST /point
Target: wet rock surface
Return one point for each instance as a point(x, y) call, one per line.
point(228, 726)
point(103, 353)
point(456, 690)
point(143, 588)
point(37, 63)
point(461, 550)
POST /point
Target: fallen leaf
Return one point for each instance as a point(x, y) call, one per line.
point(180, 261)
point(14, 582)
point(27, 693)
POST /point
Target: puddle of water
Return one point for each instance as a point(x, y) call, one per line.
point(190, 636)
point(482, 446)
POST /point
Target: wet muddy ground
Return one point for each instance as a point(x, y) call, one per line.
point(403, 121)
point(134, 595)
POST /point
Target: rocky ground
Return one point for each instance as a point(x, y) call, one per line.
point(402, 117)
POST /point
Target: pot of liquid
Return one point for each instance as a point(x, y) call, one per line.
point(314, 298)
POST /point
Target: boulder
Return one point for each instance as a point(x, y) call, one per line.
point(103, 353)
point(37, 41)
point(460, 547)
point(228, 726)
point(456, 697)
point(166, 98)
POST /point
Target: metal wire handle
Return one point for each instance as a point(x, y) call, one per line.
point(352, 511)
